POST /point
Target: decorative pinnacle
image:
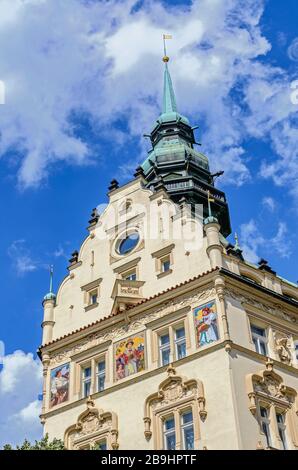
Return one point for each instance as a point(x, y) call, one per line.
point(237, 247)
point(165, 57)
point(51, 278)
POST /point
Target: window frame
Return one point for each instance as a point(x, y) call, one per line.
point(259, 338)
point(170, 330)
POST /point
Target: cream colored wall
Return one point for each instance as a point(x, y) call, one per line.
point(69, 313)
point(241, 365)
point(217, 432)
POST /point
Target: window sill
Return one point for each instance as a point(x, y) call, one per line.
point(90, 307)
point(163, 274)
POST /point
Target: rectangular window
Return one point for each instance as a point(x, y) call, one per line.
point(180, 343)
point(169, 433)
point(265, 424)
point(165, 264)
point(101, 375)
point(187, 430)
point(101, 445)
point(280, 418)
point(259, 338)
point(131, 276)
point(164, 349)
point(93, 297)
point(86, 381)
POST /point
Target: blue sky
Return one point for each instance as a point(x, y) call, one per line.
point(83, 83)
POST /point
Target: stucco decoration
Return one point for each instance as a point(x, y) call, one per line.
point(110, 334)
point(273, 309)
point(283, 347)
point(269, 386)
point(174, 390)
point(92, 426)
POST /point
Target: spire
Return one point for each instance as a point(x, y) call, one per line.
point(50, 295)
point(51, 278)
point(169, 100)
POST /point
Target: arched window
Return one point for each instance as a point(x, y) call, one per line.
point(273, 404)
point(172, 413)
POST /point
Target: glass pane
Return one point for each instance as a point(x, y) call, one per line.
point(258, 331)
point(87, 372)
point(283, 439)
point(101, 445)
point(101, 366)
point(94, 299)
point(256, 344)
point(166, 266)
point(188, 438)
point(264, 413)
point(169, 424)
point(87, 388)
point(181, 350)
point(165, 356)
point(164, 339)
point(129, 243)
point(280, 418)
point(263, 348)
point(180, 333)
point(187, 417)
point(101, 383)
point(267, 433)
point(170, 441)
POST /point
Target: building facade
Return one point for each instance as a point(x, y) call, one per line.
point(162, 336)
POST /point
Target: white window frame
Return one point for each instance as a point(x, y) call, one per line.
point(85, 380)
point(259, 339)
point(164, 347)
point(186, 426)
point(169, 432)
point(179, 341)
point(266, 422)
point(282, 427)
point(100, 374)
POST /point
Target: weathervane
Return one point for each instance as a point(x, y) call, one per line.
point(51, 278)
point(165, 37)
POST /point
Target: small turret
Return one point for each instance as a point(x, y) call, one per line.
point(49, 302)
point(212, 230)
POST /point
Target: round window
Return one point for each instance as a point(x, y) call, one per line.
point(128, 243)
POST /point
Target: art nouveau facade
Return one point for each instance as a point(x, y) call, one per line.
point(162, 336)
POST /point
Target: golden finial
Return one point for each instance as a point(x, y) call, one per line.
point(165, 57)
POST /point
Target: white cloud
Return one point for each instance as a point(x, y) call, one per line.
point(255, 245)
point(269, 203)
point(20, 384)
point(103, 59)
point(21, 258)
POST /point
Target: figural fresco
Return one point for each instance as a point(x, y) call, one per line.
point(59, 385)
point(205, 318)
point(130, 356)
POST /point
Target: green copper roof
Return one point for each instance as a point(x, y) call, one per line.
point(169, 100)
point(169, 108)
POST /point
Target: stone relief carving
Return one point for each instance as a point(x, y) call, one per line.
point(173, 390)
point(91, 425)
point(267, 384)
point(274, 309)
point(283, 346)
point(113, 333)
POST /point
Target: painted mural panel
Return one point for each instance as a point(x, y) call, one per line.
point(59, 385)
point(205, 318)
point(130, 356)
